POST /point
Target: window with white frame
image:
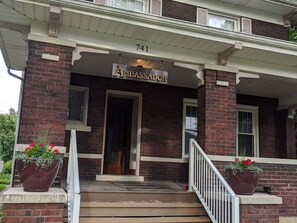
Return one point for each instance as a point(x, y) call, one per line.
point(190, 123)
point(78, 104)
point(247, 131)
point(133, 5)
point(223, 22)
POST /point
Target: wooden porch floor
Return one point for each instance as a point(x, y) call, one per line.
point(146, 186)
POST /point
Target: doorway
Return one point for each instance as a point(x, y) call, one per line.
point(122, 133)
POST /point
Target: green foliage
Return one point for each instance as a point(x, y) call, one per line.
point(293, 34)
point(4, 178)
point(7, 167)
point(2, 187)
point(7, 136)
point(243, 164)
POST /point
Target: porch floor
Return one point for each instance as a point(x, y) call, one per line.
point(146, 186)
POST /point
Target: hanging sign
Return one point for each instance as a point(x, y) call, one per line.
point(139, 73)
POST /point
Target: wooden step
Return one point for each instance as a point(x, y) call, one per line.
point(147, 220)
point(139, 196)
point(137, 209)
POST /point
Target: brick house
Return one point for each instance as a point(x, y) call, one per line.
point(220, 71)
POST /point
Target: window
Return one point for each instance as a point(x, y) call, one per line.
point(189, 123)
point(133, 5)
point(247, 130)
point(223, 22)
point(77, 108)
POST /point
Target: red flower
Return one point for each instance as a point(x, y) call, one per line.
point(236, 159)
point(27, 149)
point(41, 145)
point(56, 151)
point(254, 162)
point(246, 162)
point(32, 144)
point(51, 145)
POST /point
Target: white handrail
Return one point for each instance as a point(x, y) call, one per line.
point(217, 197)
point(73, 187)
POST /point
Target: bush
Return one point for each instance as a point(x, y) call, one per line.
point(7, 167)
point(2, 187)
point(7, 136)
point(4, 178)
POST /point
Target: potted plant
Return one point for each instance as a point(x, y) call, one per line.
point(243, 175)
point(38, 165)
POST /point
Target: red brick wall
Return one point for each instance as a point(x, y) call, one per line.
point(33, 213)
point(45, 95)
point(282, 180)
point(161, 133)
point(217, 114)
point(256, 213)
point(179, 10)
point(270, 30)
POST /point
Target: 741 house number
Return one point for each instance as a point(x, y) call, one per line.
point(142, 48)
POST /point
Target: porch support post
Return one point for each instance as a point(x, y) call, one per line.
point(45, 94)
point(286, 134)
point(217, 111)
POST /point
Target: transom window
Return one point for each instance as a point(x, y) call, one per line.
point(189, 123)
point(222, 22)
point(247, 131)
point(133, 5)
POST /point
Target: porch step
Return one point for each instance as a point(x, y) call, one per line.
point(148, 220)
point(141, 207)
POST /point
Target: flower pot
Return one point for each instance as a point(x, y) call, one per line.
point(243, 183)
point(37, 179)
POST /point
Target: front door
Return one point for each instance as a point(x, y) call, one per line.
point(118, 136)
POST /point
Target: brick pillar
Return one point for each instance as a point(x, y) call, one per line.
point(286, 135)
point(45, 95)
point(19, 206)
point(217, 113)
point(250, 213)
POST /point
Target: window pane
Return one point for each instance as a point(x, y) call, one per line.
point(245, 145)
point(75, 105)
point(190, 126)
point(221, 22)
point(245, 122)
point(133, 5)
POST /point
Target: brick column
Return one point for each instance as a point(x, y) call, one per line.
point(19, 206)
point(45, 95)
point(217, 113)
point(286, 135)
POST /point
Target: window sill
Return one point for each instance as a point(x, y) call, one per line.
point(78, 126)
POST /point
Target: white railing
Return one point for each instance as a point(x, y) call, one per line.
point(73, 187)
point(218, 199)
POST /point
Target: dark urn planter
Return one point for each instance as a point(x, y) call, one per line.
point(36, 179)
point(243, 183)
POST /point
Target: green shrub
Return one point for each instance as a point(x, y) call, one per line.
point(4, 178)
point(7, 167)
point(7, 135)
point(2, 187)
point(293, 34)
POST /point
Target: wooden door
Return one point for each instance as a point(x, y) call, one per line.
point(118, 135)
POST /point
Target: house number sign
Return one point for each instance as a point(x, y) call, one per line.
point(142, 48)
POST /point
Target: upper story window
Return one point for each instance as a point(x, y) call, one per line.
point(223, 22)
point(133, 5)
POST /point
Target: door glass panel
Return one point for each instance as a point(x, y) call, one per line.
point(190, 126)
point(75, 105)
point(245, 145)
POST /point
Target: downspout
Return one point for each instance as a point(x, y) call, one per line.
point(17, 122)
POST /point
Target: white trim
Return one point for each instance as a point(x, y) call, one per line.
point(186, 102)
point(51, 57)
point(222, 83)
point(22, 147)
point(250, 25)
point(135, 96)
point(263, 160)
point(255, 111)
point(216, 67)
point(260, 198)
point(85, 90)
point(151, 7)
point(125, 178)
point(78, 126)
point(86, 156)
point(288, 219)
point(164, 159)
